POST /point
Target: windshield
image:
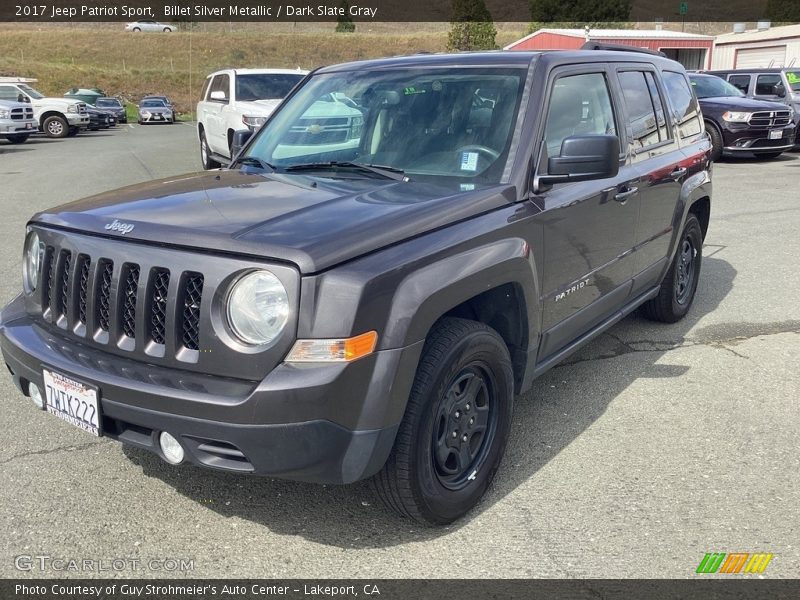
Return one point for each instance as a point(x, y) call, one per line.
point(153, 103)
point(108, 102)
point(31, 92)
point(454, 122)
point(265, 86)
point(793, 77)
point(713, 87)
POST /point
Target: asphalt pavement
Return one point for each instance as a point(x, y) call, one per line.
point(651, 447)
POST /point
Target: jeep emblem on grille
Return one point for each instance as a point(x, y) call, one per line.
point(123, 228)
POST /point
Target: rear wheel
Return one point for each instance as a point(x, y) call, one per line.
point(205, 154)
point(18, 138)
point(680, 283)
point(455, 428)
point(55, 127)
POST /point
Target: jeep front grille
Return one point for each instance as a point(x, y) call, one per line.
point(159, 281)
point(83, 286)
point(767, 118)
point(192, 295)
point(104, 294)
point(129, 300)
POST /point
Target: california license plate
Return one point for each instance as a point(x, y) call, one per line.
point(776, 135)
point(72, 401)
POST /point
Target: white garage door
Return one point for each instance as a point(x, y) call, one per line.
point(757, 58)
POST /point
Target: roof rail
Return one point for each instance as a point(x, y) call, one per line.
point(620, 48)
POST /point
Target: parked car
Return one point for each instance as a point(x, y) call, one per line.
point(234, 99)
point(776, 84)
point(149, 25)
point(115, 106)
point(57, 117)
point(739, 124)
point(100, 119)
point(154, 111)
point(163, 99)
point(16, 121)
point(371, 311)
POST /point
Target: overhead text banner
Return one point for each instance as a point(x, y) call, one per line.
point(542, 11)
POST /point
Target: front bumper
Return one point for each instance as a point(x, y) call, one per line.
point(77, 120)
point(13, 127)
point(317, 423)
point(743, 138)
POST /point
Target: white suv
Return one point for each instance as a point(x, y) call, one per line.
point(235, 99)
point(57, 117)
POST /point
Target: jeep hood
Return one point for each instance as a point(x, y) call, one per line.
point(278, 216)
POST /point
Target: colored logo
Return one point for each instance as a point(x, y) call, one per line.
point(734, 562)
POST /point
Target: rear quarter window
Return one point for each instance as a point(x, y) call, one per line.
point(204, 92)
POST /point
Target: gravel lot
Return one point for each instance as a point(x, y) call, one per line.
point(654, 445)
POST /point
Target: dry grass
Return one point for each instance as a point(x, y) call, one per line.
point(132, 65)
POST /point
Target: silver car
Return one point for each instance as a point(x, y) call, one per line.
point(149, 25)
point(154, 111)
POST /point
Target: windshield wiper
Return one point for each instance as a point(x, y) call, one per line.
point(335, 165)
point(252, 161)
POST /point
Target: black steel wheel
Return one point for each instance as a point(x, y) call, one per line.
point(680, 283)
point(456, 425)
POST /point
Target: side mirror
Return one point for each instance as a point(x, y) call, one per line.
point(239, 141)
point(218, 95)
point(582, 158)
point(779, 90)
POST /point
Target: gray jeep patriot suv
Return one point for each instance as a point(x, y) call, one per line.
point(365, 299)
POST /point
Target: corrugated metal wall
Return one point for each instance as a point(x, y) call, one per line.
point(725, 56)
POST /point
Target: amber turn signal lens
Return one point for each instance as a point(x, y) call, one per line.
point(337, 350)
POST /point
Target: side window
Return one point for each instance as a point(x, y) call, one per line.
point(206, 85)
point(741, 82)
point(579, 104)
point(683, 103)
point(641, 111)
point(8, 92)
point(658, 103)
point(222, 83)
point(765, 84)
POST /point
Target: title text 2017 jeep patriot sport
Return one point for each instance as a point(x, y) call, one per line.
point(331, 310)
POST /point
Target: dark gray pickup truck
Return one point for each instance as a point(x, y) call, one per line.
point(365, 298)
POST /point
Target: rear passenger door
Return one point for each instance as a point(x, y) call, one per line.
point(657, 158)
point(588, 227)
point(217, 134)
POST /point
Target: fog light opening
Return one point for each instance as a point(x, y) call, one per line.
point(36, 395)
point(171, 448)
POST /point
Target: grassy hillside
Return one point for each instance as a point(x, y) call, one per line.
point(132, 65)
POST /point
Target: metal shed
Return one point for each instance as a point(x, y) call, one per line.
point(757, 49)
point(692, 50)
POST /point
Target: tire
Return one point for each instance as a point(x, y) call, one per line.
point(205, 154)
point(455, 427)
point(769, 155)
point(716, 141)
point(18, 138)
point(55, 127)
point(73, 131)
point(680, 283)
point(136, 29)
point(167, 30)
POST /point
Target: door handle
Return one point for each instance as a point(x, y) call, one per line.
point(678, 172)
point(623, 195)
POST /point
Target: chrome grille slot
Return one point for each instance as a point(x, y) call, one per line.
point(192, 297)
point(128, 291)
point(84, 267)
point(49, 268)
point(62, 299)
point(159, 290)
point(103, 298)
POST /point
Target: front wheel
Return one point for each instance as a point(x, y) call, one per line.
point(55, 127)
point(455, 428)
point(680, 283)
point(716, 142)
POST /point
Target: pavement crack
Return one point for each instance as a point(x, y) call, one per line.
point(49, 451)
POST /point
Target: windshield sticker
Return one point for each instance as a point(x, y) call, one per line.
point(467, 187)
point(410, 91)
point(794, 78)
point(469, 161)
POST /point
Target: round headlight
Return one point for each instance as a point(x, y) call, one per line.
point(32, 261)
point(258, 308)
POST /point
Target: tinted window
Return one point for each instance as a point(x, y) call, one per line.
point(709, 86)
point(683, 103)
point(658, 104)
point(108, 102)
point(641, 111)
point(265, 87)
point(579, 104)
point(765, 85)
point(9, 92)
point(740, 82)
point(222, 83)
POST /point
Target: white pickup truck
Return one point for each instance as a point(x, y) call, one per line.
point(16, 121)
point(235, 99)
point(56, 117)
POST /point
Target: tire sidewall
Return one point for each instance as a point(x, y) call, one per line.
point(716, 142)
point(64, 127)
point(693, 231)
point(438, 503)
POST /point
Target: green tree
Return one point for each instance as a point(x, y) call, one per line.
point(344, 24)
point(783, 11)
point(599, 13)
point(471, 26)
